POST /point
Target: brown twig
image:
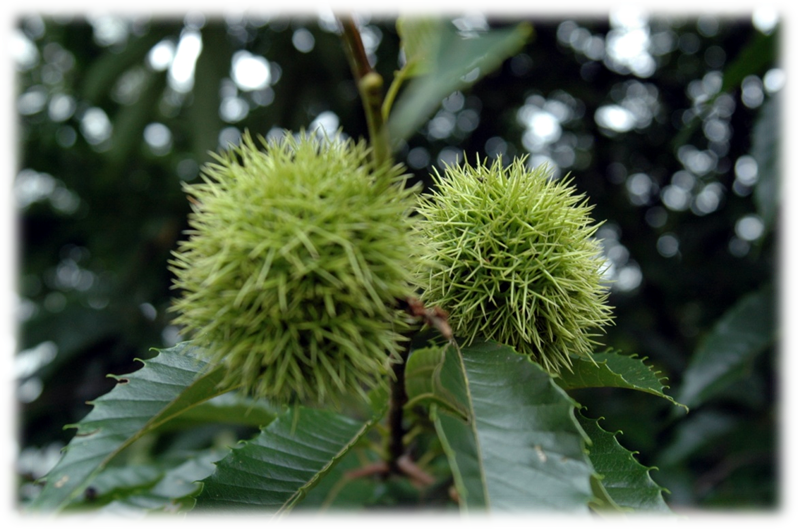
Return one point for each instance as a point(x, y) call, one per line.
point(369, 85)
point(434, 317)
point(405, 466)
point(356, 52)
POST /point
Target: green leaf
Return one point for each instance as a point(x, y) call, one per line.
point(742, 333)
point(166, 502)
point(755, 58)
point(338, 491)
point(423, 381)
point(230, 408)
point(615, 370)
point(420, 41)
point(167, 385)
point(275, 470)
point(765, 142)
point(394, 500)
point(119, 481)
point(521, 448)
point(449, 63)
point(703, 429)
point(627, 482)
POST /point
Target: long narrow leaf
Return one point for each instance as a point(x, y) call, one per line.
point(167, 385)
point(420, 38)
point(522, 447)
point(766, 150)
point(454, 57)
point(275, 470)
point(738, 337)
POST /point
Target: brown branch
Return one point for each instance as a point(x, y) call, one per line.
point(434, 317)
point(356, 53)
point(369, 85)
point(406, 466)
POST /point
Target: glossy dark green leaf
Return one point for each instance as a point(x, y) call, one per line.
point(274, 470)
point(765, 140)
point(745, 331)
point(616, 370)
point(627, 482)
point(521, 448)
point(167, 385)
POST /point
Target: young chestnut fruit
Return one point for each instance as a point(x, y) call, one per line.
point(296, 257)
point(516, 261)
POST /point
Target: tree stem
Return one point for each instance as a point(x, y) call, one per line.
point(369, 85)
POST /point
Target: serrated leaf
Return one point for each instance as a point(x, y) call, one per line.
point(522, 447)
point(615, 370)
point(602, 502)
point(274, 470)
point(627, 482)
point(165, 503)
point(423, 381)
point(338, 491)
point(741, 334)
point(765, 145)
point(167, 385)
point(116, 481)
point(454, 58)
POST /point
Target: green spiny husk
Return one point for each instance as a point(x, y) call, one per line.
point(296, 257)
point(515, 260)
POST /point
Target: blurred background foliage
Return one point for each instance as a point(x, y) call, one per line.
point(669, 125)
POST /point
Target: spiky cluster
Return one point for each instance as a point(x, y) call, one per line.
point(516, 260)
point(296, 257)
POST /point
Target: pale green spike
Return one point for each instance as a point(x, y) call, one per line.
point(303, 235)
point(520, 263)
